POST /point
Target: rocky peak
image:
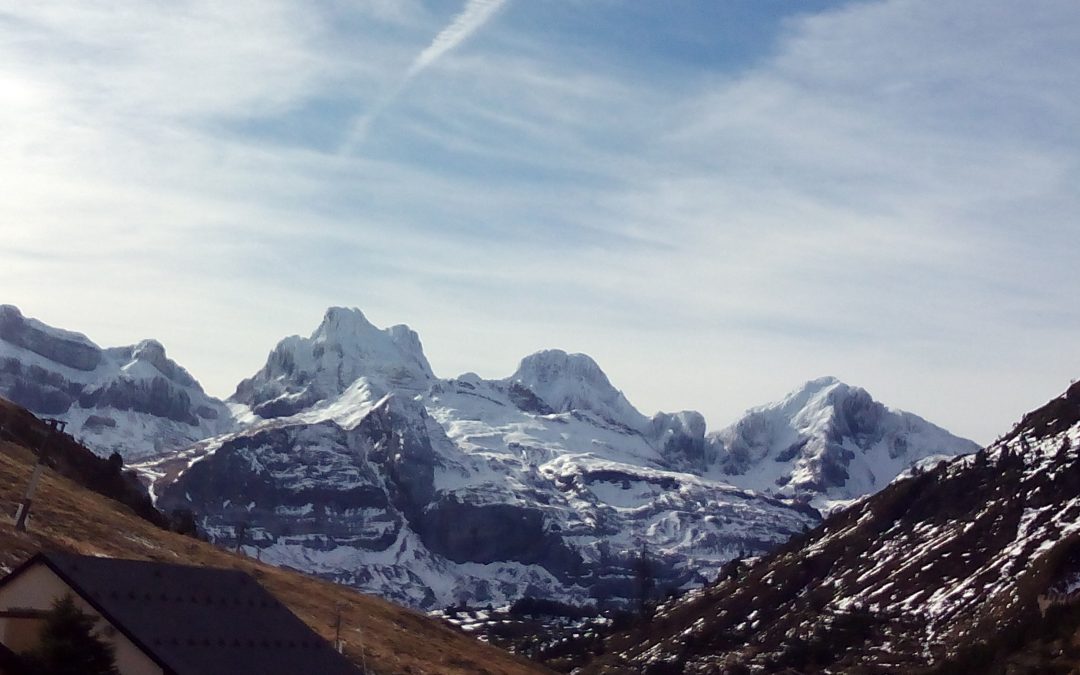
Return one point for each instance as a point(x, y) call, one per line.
point(827, 405)
point(359, 344)
point(343, 325)
point(153, 353)
point(301, 372)
point(680, 437)
point(66, 348)
point(827, 438)
point(566, 382)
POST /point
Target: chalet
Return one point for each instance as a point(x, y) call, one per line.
point(165, 619)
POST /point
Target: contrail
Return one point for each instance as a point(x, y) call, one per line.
point(471, 19)
point(475, 15)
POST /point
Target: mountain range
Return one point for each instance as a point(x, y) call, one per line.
point(346, 456)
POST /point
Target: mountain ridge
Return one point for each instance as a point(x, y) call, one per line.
point(964, 567)
point(546, 482)
point(133, 400)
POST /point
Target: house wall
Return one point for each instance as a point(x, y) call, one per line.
point(19, 634)
point(37, 588)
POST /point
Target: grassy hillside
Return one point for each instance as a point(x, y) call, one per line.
point(387, 638)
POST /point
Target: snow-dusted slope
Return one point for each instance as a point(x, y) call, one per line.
point(133, 400)
point(950, 568)
point(608, 489)
point(394, 506)
point(827, 442)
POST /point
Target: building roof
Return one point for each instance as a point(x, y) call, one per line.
point(10, 663)
point(196, 620)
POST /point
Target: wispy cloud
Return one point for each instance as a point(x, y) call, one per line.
point(471, 19)
point(893, 180)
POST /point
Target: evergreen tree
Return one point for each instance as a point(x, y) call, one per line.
point(69, 646)
point(240, 530)
point(645, 577)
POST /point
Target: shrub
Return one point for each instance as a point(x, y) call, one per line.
point(69, 646)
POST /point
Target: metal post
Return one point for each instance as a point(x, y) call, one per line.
point(363, 656)
point(337, 630)
point(24, 506)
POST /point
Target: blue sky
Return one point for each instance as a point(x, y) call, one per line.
point(716, 200)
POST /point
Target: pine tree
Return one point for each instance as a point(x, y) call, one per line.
point(645, 577)
point(69, 646)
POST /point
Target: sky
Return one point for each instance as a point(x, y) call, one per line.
point(716, 200)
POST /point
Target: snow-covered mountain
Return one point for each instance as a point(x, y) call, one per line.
point(827, 442)
point(133, 400)
point(358, 464)
point(347, 457)
point(969, 566)
point(547, 482)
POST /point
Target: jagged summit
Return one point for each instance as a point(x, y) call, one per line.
point(348, 330)
point(301, 372)
point(827, 405)
point(829, 440)
point(148, 359)
point(800, 396)
point(568, 382)
point(345, 318)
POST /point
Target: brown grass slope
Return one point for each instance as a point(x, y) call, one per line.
point(940, 573)
point(385, 637)
point(71, 460)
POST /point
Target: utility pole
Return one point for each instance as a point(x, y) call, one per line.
point(339, 644)
point(337, 630)
point(24, 506)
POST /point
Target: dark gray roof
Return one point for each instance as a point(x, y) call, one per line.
point(10, 663)
point(198, 620)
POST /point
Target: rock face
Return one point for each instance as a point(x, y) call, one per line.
point(826, 442)
point(947, 570)
point(681, 439)
point(133, 400)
